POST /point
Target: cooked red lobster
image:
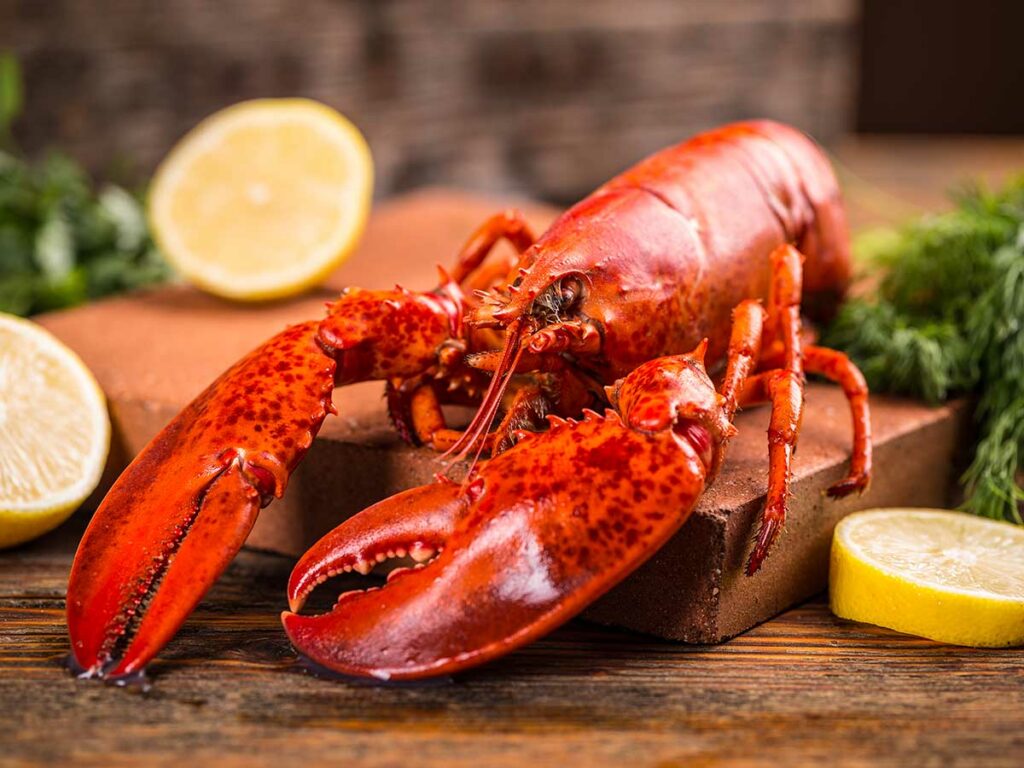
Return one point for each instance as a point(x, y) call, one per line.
point(622, 306)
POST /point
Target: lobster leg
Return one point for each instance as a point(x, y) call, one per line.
point(416, 415)
point(744, 351)
point(837, 367)
point(784, 387)
point(510, 225)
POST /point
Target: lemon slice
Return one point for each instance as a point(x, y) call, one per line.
point(263, 199)
point(948, 576)
point(54, 431)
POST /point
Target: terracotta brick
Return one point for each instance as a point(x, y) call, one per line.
point(152, 352)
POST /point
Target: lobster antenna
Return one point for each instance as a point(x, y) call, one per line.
point(481, 438)
point(484, 416)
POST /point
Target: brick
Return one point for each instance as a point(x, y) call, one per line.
point(152, 352)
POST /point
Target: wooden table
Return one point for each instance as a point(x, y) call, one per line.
point(804, 687)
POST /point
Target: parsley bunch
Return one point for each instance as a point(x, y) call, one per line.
point(948, 319)
point(61, 244)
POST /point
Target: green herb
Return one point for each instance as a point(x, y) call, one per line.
point(948, 319)
point(10, 95)
point(61, 244)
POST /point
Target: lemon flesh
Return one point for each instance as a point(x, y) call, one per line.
point(54, 431)
point(947, 576)
point(263, 199)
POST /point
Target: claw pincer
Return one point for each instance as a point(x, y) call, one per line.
point(538, 533)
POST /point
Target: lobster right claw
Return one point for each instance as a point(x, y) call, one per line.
point(415, 523)
point(544, 529)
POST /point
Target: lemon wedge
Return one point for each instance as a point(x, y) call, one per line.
point(54, 431)
point(947, 576)
point(263, 199)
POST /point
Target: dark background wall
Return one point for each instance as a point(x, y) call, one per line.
point(543, 97)
point(942, 66)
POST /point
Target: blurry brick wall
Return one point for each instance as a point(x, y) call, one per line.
point(544, 97)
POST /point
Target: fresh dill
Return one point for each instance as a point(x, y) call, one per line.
point(948, 319)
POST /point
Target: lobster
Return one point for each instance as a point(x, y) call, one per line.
point(617, 313)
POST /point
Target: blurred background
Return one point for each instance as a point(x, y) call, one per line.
point(545, 98)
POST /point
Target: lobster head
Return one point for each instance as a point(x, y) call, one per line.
point(389, 334)
point(554, 314)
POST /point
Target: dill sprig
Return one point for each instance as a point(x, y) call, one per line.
point(948, 320)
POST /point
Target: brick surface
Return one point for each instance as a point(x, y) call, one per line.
point(152, 352)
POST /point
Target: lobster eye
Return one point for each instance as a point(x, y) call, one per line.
point(571, 289)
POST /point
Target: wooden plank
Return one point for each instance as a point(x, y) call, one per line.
point(804, 688)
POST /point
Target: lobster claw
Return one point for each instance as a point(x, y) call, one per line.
point(177, 516)
point(415, 523)
point(546, 528)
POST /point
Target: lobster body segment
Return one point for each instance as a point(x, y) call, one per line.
point(657, 258)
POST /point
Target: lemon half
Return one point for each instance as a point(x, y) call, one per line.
point(263, 199)
point(947, 576)
point(54, 431)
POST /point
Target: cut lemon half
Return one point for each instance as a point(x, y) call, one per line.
point(947, 576)
point(54, 431)
point(263, 199)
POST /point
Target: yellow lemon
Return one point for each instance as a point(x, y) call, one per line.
point(54, 431)
point(263, 199)
point(948, 576)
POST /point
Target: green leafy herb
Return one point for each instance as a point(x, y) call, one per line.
point(60, 243)
point(10, 94)
point(948, 319)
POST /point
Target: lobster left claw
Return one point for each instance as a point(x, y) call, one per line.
point(546, 528)
point(181, 511)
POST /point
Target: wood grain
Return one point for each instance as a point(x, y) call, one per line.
point(804, 688)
